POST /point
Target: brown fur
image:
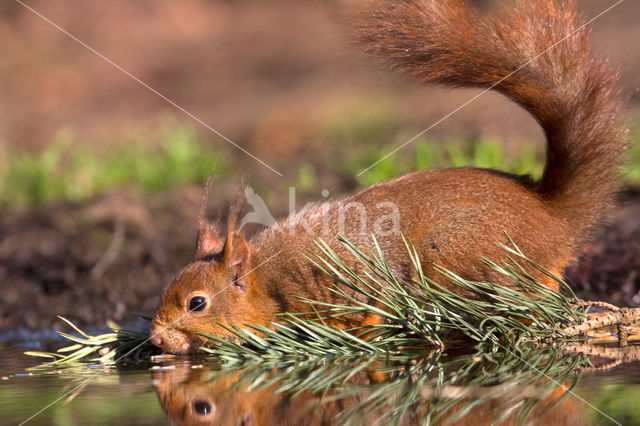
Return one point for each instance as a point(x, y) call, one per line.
point(453, 216)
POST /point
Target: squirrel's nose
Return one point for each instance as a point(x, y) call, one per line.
point(157, 340)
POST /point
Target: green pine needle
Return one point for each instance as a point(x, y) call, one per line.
point(421, 314)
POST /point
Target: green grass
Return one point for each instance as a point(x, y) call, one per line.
point(486, 153)
point(422, 154)
point(66, 170)
point(367, 132)
point(631, 168)
point(350, 142)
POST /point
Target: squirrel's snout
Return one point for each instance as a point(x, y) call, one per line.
point(157, 340)
point(157, 336)
point(171, 340)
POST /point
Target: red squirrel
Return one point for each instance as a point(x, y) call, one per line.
point(536, 53)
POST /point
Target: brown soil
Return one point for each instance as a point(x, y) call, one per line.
point(610, 268)
point(93, 261)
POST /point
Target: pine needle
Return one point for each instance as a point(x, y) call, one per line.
point(420, 314)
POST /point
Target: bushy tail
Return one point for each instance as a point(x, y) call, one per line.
point(536, 52)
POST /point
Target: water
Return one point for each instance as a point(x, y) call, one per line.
point(465, 389)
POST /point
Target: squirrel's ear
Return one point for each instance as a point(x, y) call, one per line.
point(237, 250)
point(209, 243)
point(236, 255)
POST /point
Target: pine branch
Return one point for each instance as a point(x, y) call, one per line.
point(419, 314)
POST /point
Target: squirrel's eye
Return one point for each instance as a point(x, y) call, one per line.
point(197, 303)
point(202, 408)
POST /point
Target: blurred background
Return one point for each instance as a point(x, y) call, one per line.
point(100, 178)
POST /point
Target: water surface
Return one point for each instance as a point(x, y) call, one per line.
point(535, 387)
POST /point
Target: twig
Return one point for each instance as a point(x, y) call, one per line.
point(620, 317)
point(597, 304)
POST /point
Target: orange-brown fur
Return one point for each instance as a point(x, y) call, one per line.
point(452, 216)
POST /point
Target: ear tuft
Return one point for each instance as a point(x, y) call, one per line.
point(235, 210)
point(209, 243)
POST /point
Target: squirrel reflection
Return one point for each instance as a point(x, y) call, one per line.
point(203, 396)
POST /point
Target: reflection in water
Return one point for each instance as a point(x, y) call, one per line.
point(477, 389)
point(206, 396)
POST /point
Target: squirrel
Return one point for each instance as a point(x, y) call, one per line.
point(535, 52)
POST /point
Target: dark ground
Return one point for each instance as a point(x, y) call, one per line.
point(93, 261)
point(610, 268)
